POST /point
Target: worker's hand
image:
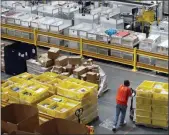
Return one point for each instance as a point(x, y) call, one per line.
point(133, 94)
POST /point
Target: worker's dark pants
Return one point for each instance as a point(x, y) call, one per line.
point(120, 109)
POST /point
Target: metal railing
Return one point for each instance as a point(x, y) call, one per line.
point(135, 52)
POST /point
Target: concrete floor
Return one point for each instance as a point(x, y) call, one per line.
point(116, 75)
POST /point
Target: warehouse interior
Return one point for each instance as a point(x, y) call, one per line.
point(34, 54)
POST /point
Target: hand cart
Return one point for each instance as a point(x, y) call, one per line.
point(78, 114)
point(132, 110)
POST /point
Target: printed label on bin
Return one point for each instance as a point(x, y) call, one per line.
point(63, 110)
point(71, 104)
point(45, 105)
point(16, 89)
point(72, 89)
point(31, 87)
point(57, 99)
point(39, 90)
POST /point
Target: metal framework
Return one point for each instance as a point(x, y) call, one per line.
point(82, 53)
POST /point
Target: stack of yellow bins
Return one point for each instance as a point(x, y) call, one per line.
point(144, 102)
point(59, 107)
point(85, 93)
point(160, 105)
point(152, 104)
point(33, 93)
point(48, 79)
point(26, 76)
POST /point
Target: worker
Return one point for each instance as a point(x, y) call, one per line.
point(123, 93)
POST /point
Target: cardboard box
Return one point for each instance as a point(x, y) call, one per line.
point(95, 68)
point(83, 77)
point(22, 133)
point(61, 61)
point(75, 60)
point(79, 71)
point(57, 126)
point(45, 61)
point(91, 76)
point(92, 81)
point(64, 69)
point(89, 68)
point(19, 117)
point(57, 69)
point(69, 68)
point(53, 53)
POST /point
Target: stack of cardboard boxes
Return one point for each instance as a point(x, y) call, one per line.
point(74, 66)
point(44, 62)
point(65, 65)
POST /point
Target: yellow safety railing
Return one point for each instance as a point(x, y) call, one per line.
point(134, 62)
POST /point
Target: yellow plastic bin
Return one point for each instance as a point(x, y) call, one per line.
point(143, 107)
point(160, 123)
point(61, 77)
point(143, 101)
point(54, 85)
point(68, 89)
point(158, 86)
point(143, 120)
point(160, 95)
point(50, 74)
point(4, 96)
point(92, 86)
point(27, 96)
point(26, 76)
point(42, 106)
point(165, 86)
point(159, 103)
point(14, 90)
point(52, 109)
point(160, 109)
point(74, 80)
point(145, 89)
point(159, 116)
point(6, 84)
point(15, 79)
point(143, 113)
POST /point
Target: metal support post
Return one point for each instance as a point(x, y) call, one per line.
point(135, 60)
point(81, 47)
point(35, 36)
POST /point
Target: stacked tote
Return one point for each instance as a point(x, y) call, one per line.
point(152, 104)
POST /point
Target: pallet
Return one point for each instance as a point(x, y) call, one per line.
point(150, 126)
point(93, 120)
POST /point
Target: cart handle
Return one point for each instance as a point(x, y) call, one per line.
point(79, 113)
